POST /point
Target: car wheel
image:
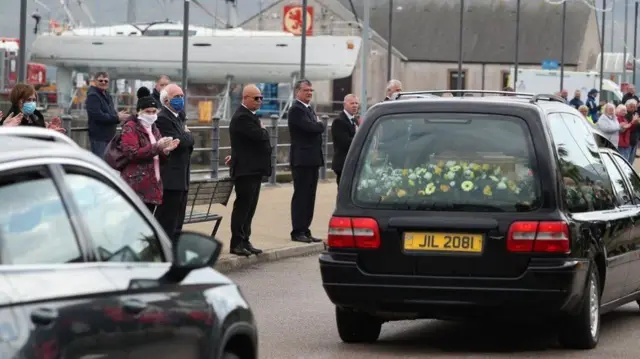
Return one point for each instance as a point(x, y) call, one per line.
point(230, 355)
point(355, 327)
point(582, 331)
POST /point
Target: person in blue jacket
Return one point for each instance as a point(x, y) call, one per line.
point(102, 115)
point(592, 105)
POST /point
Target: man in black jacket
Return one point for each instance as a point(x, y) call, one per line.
point(175, 173)
point(393, 86)
point(343, 129)
point(306, 158)
point(250, 161)
point(101, 114)
point(161, 83)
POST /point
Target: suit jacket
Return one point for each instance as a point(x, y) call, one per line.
point(306, 137)
point(250, 146)
point(175, 173)
point(342, 132)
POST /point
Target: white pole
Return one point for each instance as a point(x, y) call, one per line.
point(365, 55)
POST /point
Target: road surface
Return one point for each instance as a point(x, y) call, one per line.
point(296, 321)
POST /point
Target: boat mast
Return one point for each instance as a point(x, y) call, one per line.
point(131, 11)
point(232, 13)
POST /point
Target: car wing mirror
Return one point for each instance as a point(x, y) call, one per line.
point(191, 251)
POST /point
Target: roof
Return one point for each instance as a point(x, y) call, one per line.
point(14, 147)
point(427, 30)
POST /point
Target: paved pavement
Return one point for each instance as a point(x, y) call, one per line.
point(272, 224)
point(296, 321)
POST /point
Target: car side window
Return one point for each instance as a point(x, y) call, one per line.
point(630, 173)
point(617, 180)
point(34, 224)
point(585, 183)
point(119, 232)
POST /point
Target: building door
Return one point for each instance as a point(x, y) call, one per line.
point(341, 88)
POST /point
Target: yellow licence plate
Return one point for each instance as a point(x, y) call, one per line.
point(443, 242)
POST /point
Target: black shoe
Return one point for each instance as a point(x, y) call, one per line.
point(248, 246)
point(313, 239)
point(240, 251)
point(300, 238)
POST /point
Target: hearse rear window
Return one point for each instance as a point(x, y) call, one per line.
point(447, 161)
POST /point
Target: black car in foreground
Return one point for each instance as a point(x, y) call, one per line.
point(482, 207)
point(87, 272)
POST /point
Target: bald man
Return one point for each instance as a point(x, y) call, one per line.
point(343, 129)
point(175, 173)
point(250, 162)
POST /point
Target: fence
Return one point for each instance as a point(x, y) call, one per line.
point(215, 150)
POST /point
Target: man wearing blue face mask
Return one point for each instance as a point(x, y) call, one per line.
point(174, 173)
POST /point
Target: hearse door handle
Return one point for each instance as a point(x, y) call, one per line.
point(134, 306)
point(44, 316)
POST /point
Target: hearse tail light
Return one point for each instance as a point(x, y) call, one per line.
point(346, 232)
point(539, 237)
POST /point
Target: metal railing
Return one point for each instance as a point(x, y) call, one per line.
point(218, 152)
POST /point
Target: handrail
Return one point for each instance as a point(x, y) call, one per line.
point(38, 134)
point(463, 92)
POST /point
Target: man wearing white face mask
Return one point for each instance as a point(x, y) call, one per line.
point(145, 148)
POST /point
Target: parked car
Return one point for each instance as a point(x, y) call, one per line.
point(490, 208)
point(86, 271)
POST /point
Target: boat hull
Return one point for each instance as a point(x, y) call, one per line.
point(212, 59)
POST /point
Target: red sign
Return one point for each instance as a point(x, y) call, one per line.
point(292, 19)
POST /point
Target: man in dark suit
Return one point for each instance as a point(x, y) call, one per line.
point(343, 129)
point(306, 158)
point(175, 173)
point(161, 83)
point(250, 161)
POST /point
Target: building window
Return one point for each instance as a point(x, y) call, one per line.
point(453, 79)
point(504, 75)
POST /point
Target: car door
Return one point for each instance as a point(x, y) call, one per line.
point(13, 330)
point(158, 320)
point(43, 260)
point(633, 183)
point(630, 211)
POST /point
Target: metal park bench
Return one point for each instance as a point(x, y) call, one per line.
point(203, 194)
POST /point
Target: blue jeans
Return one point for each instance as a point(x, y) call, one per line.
point(98, 147)
point(625, 152)
point(632, 153)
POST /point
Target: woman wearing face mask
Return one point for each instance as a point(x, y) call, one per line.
point(23, 110)
point(144, 147)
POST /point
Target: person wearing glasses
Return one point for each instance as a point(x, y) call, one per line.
point(102, 115)
point(23, 110)
point(176, 172)
point(250, 162)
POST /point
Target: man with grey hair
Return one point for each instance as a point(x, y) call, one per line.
point(343, 129)
point(175, 173)
point(393, 86)
point(305, 158)
point(630, 94)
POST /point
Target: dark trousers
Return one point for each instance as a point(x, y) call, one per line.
point(338, 174)
point(244, 207)
point(170, 214)
point(305, 184)
point(151, 207)
point(98, 147)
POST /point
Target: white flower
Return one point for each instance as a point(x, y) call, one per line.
point(413, 176)
point(452, 183)
point(450, 175)
point(501, 185)
point(450, 163)
point(428, 176)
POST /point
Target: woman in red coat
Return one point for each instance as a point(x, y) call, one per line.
point(145, 148)
point(624, 140)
